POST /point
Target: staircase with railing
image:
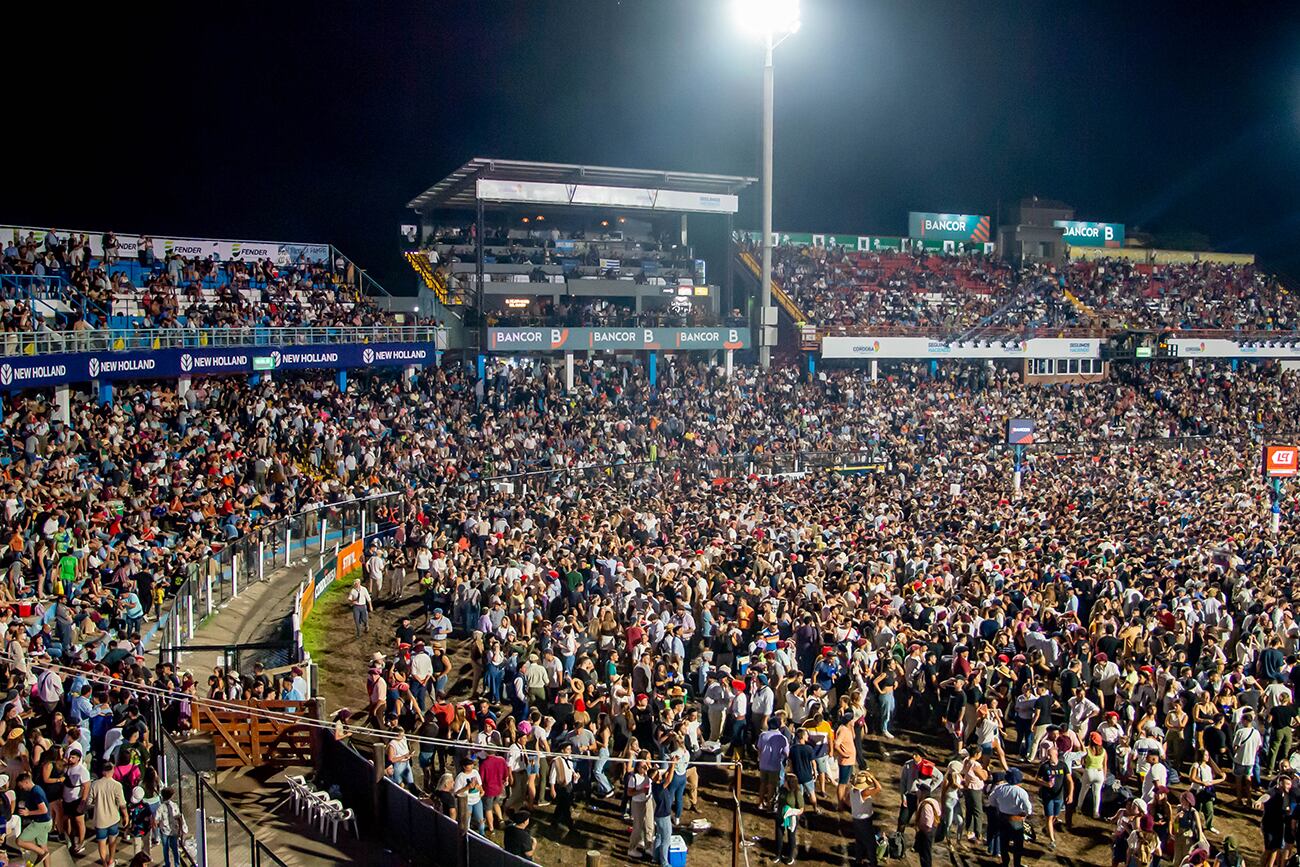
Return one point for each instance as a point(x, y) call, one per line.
point(435, 280)
point(52, 297)
point(779, 294)
point(1075, 302)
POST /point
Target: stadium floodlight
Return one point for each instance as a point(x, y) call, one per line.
point(773, 21)
point(770, 19)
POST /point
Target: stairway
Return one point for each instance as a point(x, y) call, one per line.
point(784, 301)
point(1084, 310)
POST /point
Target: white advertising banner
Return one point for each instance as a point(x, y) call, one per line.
point(192, 248)
point(538, 192)
point(1190, 347)
point(924, 347)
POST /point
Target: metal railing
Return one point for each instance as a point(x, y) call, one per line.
point(222, 576)
point(127, 340)
point(218, 836)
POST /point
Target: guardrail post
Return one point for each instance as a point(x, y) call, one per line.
point(234, 576)
point(324, 528)
point(189, 616)
point(208, 579)
point(201, 834)
point(261, 559)
point(288, 544)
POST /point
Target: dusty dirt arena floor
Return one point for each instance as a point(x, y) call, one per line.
point(825, 839)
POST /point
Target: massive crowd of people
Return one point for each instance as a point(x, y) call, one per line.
point(1121, 624)
point(1121, 630)
point(860, 291)
point(170, 290)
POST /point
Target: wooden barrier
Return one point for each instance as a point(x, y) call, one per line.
point(242, 740)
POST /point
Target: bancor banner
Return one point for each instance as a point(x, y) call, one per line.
point(924, 347)
point(26, 371)
point(948, 227)
point(1078, 233)
point(577, 339)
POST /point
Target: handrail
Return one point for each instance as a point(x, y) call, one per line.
point(777, 292)
point(127, 339)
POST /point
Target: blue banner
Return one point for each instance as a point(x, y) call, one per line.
point(18, 372)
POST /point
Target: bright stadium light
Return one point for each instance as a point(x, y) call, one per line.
point(774, 18)
point(773, 21)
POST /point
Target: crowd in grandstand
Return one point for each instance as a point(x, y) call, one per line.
point(626, 623)
point(859, 290)
point(169, 290)
point(1125, 624)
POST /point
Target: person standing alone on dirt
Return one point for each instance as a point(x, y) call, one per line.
point(359, 599)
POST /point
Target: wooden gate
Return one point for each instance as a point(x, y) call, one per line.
point(241, 739)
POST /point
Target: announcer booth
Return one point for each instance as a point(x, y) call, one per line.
point(608, 257)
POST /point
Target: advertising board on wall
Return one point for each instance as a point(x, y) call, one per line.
point(578, 339)
point(128, 246)
point(27, 371)
point(949, 227)
point(924, 347)
point(1080, 233)
point(1217, 347)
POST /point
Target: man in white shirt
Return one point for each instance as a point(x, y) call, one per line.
point(359, 599)
point(469, 787)
point(1157, 775)
point(1245, 746)
point(421, 675)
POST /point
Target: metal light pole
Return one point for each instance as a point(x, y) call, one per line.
point(765, 351)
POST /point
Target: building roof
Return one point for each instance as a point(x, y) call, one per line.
point(457, 189)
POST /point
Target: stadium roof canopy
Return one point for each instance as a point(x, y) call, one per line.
point(458, 189)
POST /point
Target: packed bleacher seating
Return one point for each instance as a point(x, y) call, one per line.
point(1184, 296)
point(839, 288)
point(72, 289)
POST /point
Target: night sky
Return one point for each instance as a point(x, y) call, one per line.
point(296, 122)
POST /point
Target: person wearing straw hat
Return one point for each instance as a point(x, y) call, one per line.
point(863, 788)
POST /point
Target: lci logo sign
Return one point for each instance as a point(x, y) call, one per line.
point(1279, 461)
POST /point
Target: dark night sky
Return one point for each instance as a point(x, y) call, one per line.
point(280, 121)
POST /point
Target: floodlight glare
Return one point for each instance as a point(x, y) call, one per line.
point(768, 18)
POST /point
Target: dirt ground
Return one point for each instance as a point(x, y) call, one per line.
point(825, 839)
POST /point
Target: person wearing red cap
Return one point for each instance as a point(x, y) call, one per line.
point(737, 719)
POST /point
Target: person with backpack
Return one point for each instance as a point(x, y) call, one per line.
point(171, 827)
point(789, 806)
point(929, 813)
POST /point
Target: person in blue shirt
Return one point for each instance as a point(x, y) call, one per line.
point(827, 671)
point(132, 612)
